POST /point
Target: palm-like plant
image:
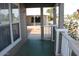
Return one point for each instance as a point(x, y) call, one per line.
point(50, 11)
point(73, 26)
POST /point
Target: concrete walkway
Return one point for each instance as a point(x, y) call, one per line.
point(34, 32)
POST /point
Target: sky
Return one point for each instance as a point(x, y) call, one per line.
point(69, 8)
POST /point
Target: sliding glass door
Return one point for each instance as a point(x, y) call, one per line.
point(5, 37)
point(9, 24)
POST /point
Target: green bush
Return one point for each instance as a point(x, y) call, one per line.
point(72, 29)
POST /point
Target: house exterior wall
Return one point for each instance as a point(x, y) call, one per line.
point(29, 23)
point(45, 20)
point(29, 20)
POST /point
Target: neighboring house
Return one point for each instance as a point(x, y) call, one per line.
point(36, 19)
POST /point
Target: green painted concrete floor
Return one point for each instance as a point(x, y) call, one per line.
point(36, 48)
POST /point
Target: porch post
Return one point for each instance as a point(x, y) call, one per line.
point(34, 20)
point(10, 17)
point(23, 22)
point(53, 33)
point(54, 15)
point(60, 25)
point(42, 24)
point(61, 15)
point(54, 23)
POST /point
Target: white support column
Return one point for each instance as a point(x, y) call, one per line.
point(10, 17)
point(54, 23)
point(42, 24)
point(19, 22)
point(34, 20)
point(57, 42)
point(57, 39)
point(60, 26)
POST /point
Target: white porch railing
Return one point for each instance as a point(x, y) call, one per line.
point(68, 43)
point(48, 32)
point(36, 33)
point(57, 39)
point(65, 48)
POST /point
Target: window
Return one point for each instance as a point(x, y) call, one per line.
point(32, 19)
point(5, 38)
point(15, 22)
point(37, 19)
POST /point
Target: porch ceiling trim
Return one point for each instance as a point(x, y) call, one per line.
point(35, 5)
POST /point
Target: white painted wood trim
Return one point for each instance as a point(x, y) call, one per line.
point(57, 43)
point(57, 38)
point(19, 22)
point(13, 43)
point(70, 51)
point(10, 17)
point(73, 44)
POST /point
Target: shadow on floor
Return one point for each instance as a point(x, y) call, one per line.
point(36, 48)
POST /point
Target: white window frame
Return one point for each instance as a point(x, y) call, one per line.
point(13, 43)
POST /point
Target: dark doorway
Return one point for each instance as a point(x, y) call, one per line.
point(37, 19)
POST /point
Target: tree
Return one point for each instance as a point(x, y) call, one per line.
point(73, 26)
point(50, 11)
point(75, 15)
point(69, 17)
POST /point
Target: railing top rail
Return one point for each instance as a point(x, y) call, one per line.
point(73, 44)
